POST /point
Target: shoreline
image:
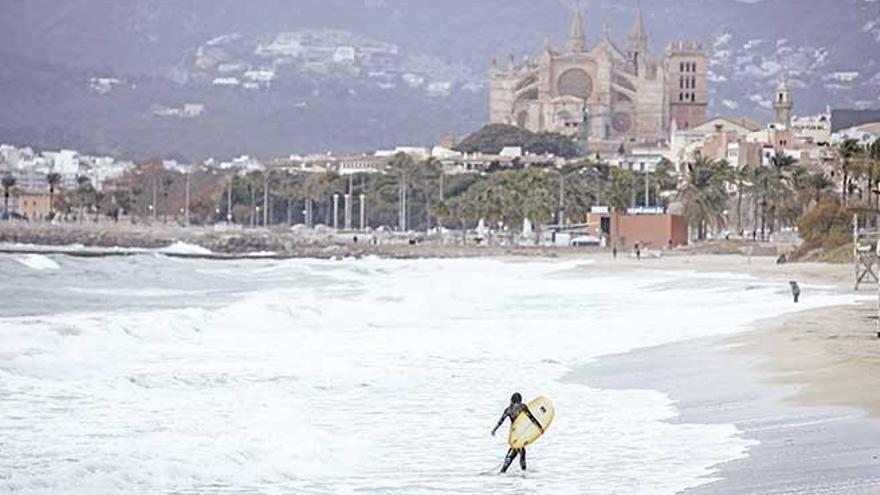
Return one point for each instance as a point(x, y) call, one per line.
point(798, 448)
point(831, 354)
point(802, 385)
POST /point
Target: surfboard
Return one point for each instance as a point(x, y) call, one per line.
point(523, 432)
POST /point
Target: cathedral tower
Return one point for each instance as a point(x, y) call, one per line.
point(686, 68)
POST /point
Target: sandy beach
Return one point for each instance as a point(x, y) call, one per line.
point(804, 386)
point(833, 352)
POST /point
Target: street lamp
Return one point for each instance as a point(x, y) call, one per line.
point(336, 212)
point(363, 216)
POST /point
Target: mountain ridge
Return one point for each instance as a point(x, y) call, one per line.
point(431, 83)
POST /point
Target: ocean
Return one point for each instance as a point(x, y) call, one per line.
point(150, 374)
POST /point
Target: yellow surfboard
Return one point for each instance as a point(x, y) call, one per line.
point(523, 432)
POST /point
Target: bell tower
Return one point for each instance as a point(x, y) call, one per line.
point(783, 103)
point(686, 71)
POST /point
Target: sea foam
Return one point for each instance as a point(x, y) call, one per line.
point(370, 376)
point(38, 262)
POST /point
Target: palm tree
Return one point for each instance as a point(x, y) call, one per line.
point(847, 152)
point(167, 182)
point(403, 169)
point(777, 180)
point(873, 152)
point(619, 197)
point(704, 194)
point(620, 188)
point(8, 182)
point(819, 184)
point(53, 178)
point(742, 177)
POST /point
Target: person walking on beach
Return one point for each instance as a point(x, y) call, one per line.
point(795, 291)
point(512, 411)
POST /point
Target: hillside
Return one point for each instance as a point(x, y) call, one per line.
point(271, 77)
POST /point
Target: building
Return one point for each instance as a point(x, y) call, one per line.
point(739, 125)
point(716, 138)
point(606, 95)
point(650, 229)
point(343, 165)
point(31, 205)
point(812, 129)
point(640, 159)
point(782, 104)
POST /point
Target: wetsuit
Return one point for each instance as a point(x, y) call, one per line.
point(512, 411)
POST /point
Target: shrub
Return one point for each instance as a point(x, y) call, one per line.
point(827, 226)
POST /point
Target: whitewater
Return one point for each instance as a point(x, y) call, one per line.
point(148, 374)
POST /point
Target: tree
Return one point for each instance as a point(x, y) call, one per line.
point(8, 182)
point(873, 152)
point(819, 184)
point(827, 226)
point(619, 197)
point(847, 153)
point(403, 169)
point(491, 139)
point(742, 176)
point(620, 190)
point(580, 185)
point(776, 182)
point(167, 183)
point(704, 194)
point(84, 196)
point(665, 179)
point(510, 196)
point(798, 196)
point(53, 179)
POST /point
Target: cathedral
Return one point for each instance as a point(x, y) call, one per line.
point(609, 97)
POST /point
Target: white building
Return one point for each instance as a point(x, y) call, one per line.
point(812, 129)
point(417, 153)
point(65, 162)
point(640, 159)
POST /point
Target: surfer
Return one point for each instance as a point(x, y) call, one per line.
point(512, 411)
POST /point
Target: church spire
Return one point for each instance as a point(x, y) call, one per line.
point(576, 40)
point(638, 40)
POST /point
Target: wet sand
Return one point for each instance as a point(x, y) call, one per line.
point(798, 449)
point(806, 387)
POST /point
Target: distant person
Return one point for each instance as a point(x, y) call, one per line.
point(512, 411)
point(614, 252)
point(795, 291)
point(638, 249)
